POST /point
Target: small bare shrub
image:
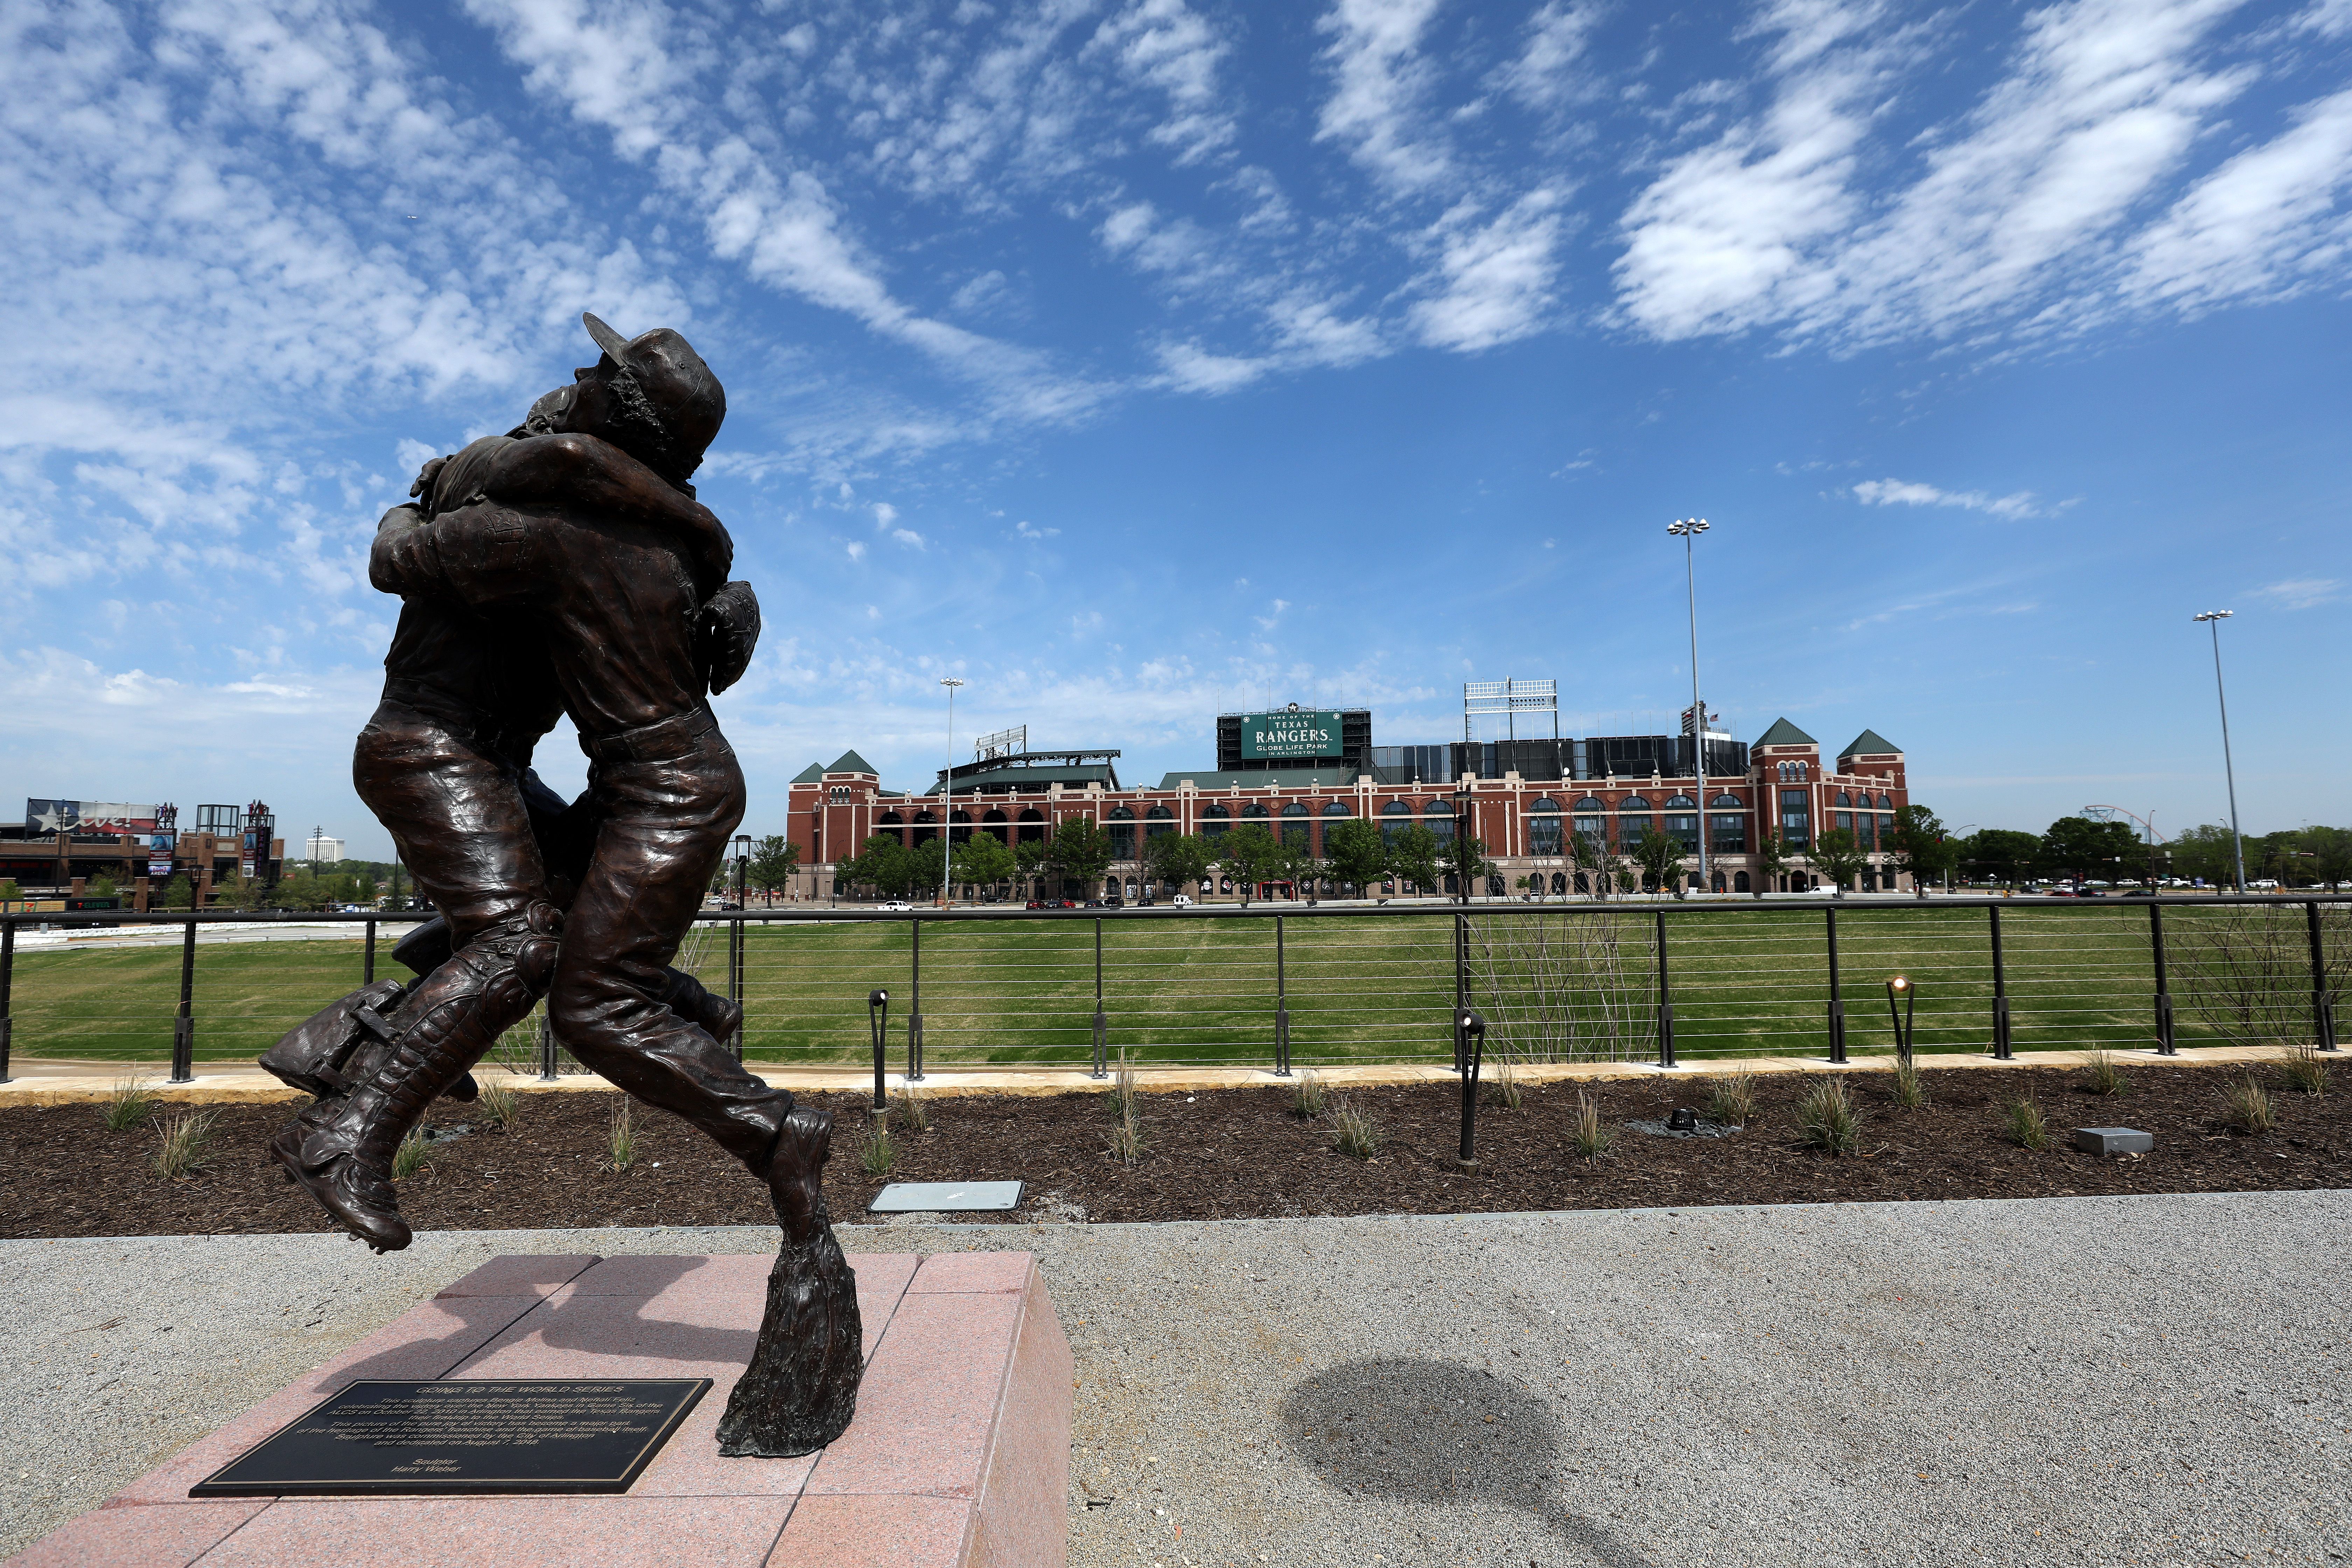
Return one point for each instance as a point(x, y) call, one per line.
point(1506, 1089)
point(1353, 1131)
point(916, 1106)
point(1909, 1092)
point(1828, 1118)
point(2246, 1107)
point(498, 1106)
point(1591, 1137)
point(188, 1140)
point(2304, 1069)
point(2103, 1074)
point(1731, 1098)
point(2023, 1123)
point(416, 1152)
point(1124, 1088)
point(621, 1138)
point(128, 1103)
point(1307, 1096)
point(879, 1150)
point(1127, 1137)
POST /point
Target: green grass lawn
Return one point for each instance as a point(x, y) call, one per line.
point(1554, 984)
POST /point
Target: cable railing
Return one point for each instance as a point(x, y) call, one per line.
point(1288, 984)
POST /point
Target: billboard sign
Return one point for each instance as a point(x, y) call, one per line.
point(1290, 733)
point(47, 817)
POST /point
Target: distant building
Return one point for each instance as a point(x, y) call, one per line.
point(62, 845)
point(319, 847)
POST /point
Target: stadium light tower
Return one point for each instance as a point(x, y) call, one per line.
point(2213, 619)
point(947, 795)
point(1689, 529)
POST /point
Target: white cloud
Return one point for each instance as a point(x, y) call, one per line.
point(1899, 492)
point(1380, 78)
point(1545, 75)
point(1496, 277)
point(1024, 529)
point(1168, 47)
point(908, 536)
point(856, 551)
point(884, 514)
point(2304, 593)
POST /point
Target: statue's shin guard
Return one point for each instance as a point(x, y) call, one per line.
point(801, 1389)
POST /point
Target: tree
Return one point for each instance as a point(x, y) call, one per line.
point(2085, 848)
point(1660, 857)
point(363, 888)
point(397, 897)
point(1301, 865)
point(1921, 846)
point(1080, 851)
point(880, 863)
point(1176, 857)
point(1358, 855)
point(1592, 857)
point(9, 892)
point(102, 886)
point(2330, 849)
point(983, 862)
point(1029, 857)
point(2002, 851)
point(1839, 857)
point(239, 891)
point(1773, 861)
point(174, 896)
point(1250, 855)
point(1464, 857)
point(1414, 857)
point(774, 860)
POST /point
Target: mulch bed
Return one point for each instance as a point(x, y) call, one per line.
point(1215, 1155)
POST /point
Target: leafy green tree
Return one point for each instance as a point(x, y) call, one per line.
point(880, 863)
point(1305, 869)
point(1660, 857)
point(1921, 846)
point(1250, 855)
point(174, 896)
point(1177, 857)
point(2203, 851)
point(1773, 861)
point(2330, 855)
point(1080, 852)
point(2083, 849)
point(1414, 857)
point(1593, 856)
point(2001, 852)
point(774, 860)
point(239, 891)
point(983, 862)
point(1029, 857)
point(1464, 857)
point(1358, 855)
point(1839, 857)
point(9, 892)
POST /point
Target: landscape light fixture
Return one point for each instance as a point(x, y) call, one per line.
point(2213, 619)
point(1900, 986)
point(877, 1019)
point(1688, 529)
point(947, 793)
point(1471, 1033)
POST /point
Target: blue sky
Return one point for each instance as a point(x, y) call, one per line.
point(1139, 358)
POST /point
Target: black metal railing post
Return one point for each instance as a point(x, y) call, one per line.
point(8, 982)
point(1461, 987)
point(2323, 999)
point(547, 1073)
point(1666, 1001)
point(915, 1009)
point(877, 1023)
point(1102, 1029)
point(1471, 1030)
point(2164, 1045)
point(367, 964)
point(1837, 1000)
point(183, 1026)
point(735, 980)
point(2002, 1051)
point(1281, 1005)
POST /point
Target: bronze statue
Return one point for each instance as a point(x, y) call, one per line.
point(567, 565)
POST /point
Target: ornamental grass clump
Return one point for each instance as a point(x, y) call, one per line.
point(621, 1138)
point(1124, 1088)
point(129, 1104)
point(2103, 1074)
point(1909, 1093)
point(1731, 1098)
point(916, 1106)
point(1307, 1096)
point(2304, 1069)
point(1588, 1134)
point(499, 1107)
point(879, 1151)
point(1353, 1131)
point(1507, 1087)
point(2246, 1107)
point(414, 1152)
point(186, 1145)
point(2023, 1123)
point(1829, 1118)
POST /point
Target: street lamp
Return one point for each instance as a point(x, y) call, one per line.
point(947, 793)
point(2213, 619)
point(742, 865)
point(1688, 529)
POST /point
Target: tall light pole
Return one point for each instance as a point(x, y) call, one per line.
point(2213, 619)
point(1690, 529)
point(947, 793)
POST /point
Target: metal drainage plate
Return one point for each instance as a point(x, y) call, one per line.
point(945, 1197)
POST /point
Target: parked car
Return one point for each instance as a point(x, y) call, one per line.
point(1181, 901)
point(897, 907)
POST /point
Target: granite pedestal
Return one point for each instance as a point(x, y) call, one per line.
point(959, 1453)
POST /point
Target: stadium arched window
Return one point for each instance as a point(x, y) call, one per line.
point(1337, 808)
point(1121, 814)
point(1254, 808)
point(1158, 814)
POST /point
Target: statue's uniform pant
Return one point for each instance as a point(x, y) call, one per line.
point(667, 797)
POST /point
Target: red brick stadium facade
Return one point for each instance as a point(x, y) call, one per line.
point(1523, 822)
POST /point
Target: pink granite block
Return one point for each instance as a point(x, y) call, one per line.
point(683, 1332)
point(509, 1532)
point(1023, 1521)
point(875, 1532)
point(945, 1272)
point(521, 1273)
point(650, 1274)
point(929, 1400)
point(426, 1341)
point(164, 1535)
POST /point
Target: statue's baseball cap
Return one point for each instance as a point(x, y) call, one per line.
point(676, 381)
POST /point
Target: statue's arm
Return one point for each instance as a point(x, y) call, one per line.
point(482, 555)
point(404, 558)
point(575, 470)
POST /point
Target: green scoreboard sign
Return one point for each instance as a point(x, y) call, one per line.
point(1285, 735)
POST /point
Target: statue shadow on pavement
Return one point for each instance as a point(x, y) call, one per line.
point(1435, 1432)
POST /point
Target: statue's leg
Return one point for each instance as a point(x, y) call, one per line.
point(664, 827)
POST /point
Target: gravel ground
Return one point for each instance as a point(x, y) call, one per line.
point(2134, 1379)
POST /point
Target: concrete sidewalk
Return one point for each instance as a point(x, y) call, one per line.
point(2145, 1380)
point(57, 1080)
